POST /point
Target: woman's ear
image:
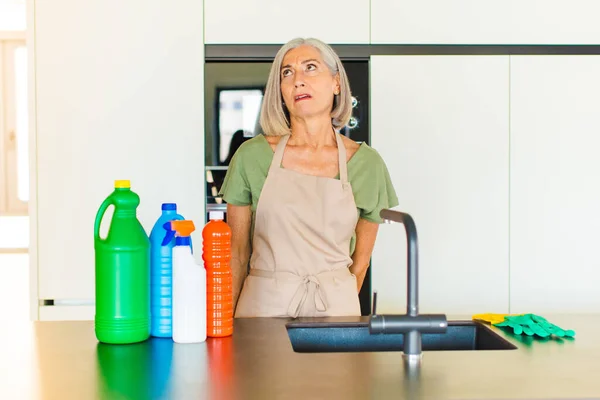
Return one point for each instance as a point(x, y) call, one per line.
point(336, 86)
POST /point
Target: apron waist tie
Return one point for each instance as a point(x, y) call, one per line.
point(301, 293)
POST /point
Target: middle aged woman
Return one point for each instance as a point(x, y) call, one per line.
point(303, 200)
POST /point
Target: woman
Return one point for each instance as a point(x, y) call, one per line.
point(303, 201)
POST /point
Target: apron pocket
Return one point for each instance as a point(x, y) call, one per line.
point(265, 297)
point(341, 294)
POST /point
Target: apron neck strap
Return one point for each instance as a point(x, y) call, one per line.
point(342, 159)
point(280, 149)
point(278, 156)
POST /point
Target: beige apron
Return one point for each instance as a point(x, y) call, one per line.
point(301, 245)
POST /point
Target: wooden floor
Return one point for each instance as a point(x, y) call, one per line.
point(14, 287)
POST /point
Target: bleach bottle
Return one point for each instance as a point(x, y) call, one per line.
point(162, 240)
point(122, 271)
point(189, 288)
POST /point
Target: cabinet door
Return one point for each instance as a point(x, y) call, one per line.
point(485, 22)
point(441, 125)
point(555, 184)
point(119, 103)
point(274, 21)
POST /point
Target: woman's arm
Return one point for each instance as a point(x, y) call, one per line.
point(239, 219)
point(366, 232)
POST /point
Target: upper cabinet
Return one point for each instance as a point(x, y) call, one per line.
point(275, 22)
point(485, 22)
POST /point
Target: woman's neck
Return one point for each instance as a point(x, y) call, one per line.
point(314, 133)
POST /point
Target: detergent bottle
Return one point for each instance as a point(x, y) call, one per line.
point(216, 254)
point(162, 240)
point(122, 271)
point(189, 288)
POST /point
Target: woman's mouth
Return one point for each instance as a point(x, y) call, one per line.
point(301, 97)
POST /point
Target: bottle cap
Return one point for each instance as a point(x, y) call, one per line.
point(122, 184)
point(215, 215)
point(169, 207)
point(183, 227)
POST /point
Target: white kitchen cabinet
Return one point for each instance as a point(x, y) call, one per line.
point(117, 93)
point(485, 22)
point(441, 125)
point(67, 313)
point(276, 22)
point(555, 184)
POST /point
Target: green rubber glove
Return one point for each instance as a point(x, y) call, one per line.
point(532, 324)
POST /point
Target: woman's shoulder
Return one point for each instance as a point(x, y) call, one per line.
point(253, 149)
point(371, 183)
point(246, 171)
point(368, 169)
point(367, 157)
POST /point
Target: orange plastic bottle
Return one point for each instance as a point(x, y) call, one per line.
point(216, 254)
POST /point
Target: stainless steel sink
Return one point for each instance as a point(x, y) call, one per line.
point(314, 337)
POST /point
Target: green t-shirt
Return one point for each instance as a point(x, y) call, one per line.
point(367, 174)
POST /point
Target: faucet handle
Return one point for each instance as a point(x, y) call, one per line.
point(374, 312)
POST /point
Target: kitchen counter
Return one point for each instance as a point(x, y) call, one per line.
point(63, 360)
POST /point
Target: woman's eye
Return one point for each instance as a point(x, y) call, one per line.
point(311, 67)
point(286, 72)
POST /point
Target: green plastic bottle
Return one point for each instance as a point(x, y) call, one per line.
point(122, 271)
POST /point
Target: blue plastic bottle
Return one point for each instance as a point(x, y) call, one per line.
point(162, 241)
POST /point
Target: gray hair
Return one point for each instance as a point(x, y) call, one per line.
point(274, 119)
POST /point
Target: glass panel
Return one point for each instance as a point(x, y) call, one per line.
point(22, 125)
point(238, 109)
point(14, 232)
point(12, 15)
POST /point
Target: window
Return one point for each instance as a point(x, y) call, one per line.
point(12, 16)
point(14, 132)
point(14, 165)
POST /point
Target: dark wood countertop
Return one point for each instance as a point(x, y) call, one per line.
point(63, 360)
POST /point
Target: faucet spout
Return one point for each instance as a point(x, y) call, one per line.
point(412, 258)
point(412, 325)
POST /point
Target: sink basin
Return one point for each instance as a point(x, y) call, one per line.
point(314, 337)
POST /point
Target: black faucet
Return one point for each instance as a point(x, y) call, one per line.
point(412, 325)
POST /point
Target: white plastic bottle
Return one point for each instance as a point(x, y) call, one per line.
point(189, 288)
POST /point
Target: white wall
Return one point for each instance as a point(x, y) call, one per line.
point(118, 95)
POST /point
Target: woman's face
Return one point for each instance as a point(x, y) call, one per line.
point(307, 85)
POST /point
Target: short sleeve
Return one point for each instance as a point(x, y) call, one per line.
point(375, 190)
point(236, 187)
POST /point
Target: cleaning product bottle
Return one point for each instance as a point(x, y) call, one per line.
point(162, 240)
point(189, 288)
point(122, 268)
point(216, 254)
